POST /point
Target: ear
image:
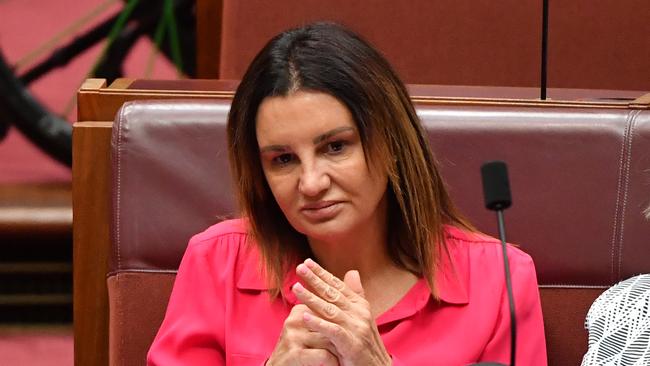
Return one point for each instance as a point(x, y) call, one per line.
point(353, 281)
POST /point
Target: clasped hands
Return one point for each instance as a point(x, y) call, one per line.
point(332, 326)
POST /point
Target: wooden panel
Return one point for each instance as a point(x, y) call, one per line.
point(91, 213)
point(87, 105)
point(452, 42)
point(95, 102)
point(599, 44)
point(642, 102)
point(35, 209)
point(564, 312)
point(592, 44)
point(208, 38)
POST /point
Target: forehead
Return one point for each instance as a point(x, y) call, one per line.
point(302, 114)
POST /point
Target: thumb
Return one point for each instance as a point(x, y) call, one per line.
point(353, 281)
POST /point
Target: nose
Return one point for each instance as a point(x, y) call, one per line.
point(314, 180)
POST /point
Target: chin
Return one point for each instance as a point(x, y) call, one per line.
point(326, 231)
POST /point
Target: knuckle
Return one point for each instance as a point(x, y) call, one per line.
point(337, 283)
point(287, 336)
point(365, 305)
point(313, 302)
point(289, 321)
point(331, 294)
point(329, 311)
point(321, 287)
point(298, 309)
point(295, 315)
point(320, 271)
point(337, 331)
point(363, 330)
point(366, 330)
point(366, 315)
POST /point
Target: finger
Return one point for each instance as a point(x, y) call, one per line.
point(316, 304)
point(320, 273)
point(295, 316)
point(311, 339)
point(295, 330)
point(316, 357)
point(321, 288)
point(353, 281)
point(334, 333)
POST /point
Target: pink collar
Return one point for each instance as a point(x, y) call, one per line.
point(451, 280)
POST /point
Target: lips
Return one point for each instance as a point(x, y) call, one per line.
point(322, 210)
point(318, 205)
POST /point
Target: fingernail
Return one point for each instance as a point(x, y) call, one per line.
point(306, 316)
point(310, 263)
point(302, 269)
point(297, 287)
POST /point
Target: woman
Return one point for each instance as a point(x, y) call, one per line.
point(350, 252)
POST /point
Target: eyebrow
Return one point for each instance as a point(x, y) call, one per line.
point(317, 140)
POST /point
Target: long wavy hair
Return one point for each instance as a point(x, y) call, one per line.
point(329, 58)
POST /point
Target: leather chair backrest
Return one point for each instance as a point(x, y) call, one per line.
point(580, 180)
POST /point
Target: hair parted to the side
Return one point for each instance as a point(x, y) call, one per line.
point(328, 58)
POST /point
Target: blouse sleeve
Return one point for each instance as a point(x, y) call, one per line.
point(531, 343)
point(192, 332)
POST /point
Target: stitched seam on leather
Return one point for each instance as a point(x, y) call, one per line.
point(119, 187)
point(122, 328)
point(175, 271)
point(618, 201)
point(628, 162)
point(572, 286)
point(142, 271)
point(613, 238)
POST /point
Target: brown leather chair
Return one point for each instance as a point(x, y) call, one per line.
point(580, 179)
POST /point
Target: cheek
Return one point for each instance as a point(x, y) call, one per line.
point(377, 184)
point(281, 188)
point(364, 178)
point(377, 189)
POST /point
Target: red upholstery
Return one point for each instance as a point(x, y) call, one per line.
point(579, 178)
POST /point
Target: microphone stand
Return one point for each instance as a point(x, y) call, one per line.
point(496, 189)
point(511, 300)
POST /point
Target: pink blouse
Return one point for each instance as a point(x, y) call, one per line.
point(219, 312)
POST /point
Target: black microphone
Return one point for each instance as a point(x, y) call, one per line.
point(496, 190)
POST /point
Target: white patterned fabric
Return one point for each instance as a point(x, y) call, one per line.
point(619, 325)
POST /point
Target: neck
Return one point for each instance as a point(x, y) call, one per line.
point(365, 250)
point(384, 283)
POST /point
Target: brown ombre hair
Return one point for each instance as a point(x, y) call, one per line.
point(328, 58)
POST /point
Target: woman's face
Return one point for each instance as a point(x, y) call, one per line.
point(314, 163)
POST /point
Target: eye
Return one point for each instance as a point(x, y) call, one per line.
point(282, 159)
point(335, 147)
